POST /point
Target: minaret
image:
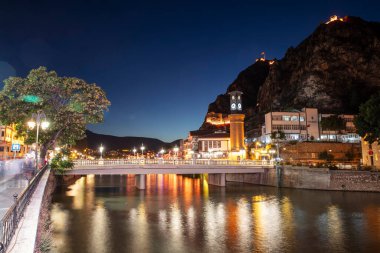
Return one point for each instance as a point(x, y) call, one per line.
point(236, 125)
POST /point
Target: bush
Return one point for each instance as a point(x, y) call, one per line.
point(61, 163)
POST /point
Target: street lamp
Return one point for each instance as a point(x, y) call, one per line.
point(271, 152)
point(162, 151)
point(101, 148)
point(38, 119)
point(175, 149)
point(142, 150)
point(134, 152)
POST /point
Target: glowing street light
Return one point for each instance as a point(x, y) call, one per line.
point(38, 120)
point(101, 148)
point(175, 149)
point(142, 149)
point(162, 151)
point(271, 152)
point(134, 151)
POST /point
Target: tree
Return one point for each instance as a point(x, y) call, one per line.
point(69, 104)
point(277, 136)
point(367, 122)
point(333, 123)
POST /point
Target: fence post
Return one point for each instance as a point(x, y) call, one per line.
point(1, 236)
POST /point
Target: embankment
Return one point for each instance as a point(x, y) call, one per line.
point(314, 179)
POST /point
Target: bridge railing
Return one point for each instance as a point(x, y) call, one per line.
point(139, 162)
point(8, 224)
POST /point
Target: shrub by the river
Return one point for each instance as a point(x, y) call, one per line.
point(62, 162)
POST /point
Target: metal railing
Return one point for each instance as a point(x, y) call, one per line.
point(137, 162)
point(9, 222)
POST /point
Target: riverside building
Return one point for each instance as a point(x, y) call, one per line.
point(306, 125)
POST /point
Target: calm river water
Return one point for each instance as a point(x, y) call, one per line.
point(97, 214)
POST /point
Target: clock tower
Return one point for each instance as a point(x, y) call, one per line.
point(236, 125)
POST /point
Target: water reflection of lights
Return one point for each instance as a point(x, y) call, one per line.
point(99, 232)
point(77, 191)
point(244, 225)
point(267, 224)
point(214, 219)
point(138, 225)
point(335, 230)
point(176, 228)
point(60, 223)
point(191, 222)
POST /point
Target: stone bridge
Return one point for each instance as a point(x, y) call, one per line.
point(216, 169)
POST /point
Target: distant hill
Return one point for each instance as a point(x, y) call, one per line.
point(335, 69)
point(110, 142)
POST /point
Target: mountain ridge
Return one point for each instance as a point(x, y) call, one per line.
point(334, 69)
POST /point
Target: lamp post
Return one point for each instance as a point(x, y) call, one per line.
point(175, 149)
point(271, 152)
point(162, 151)
point(38, 119)
point(134, 152)
point(101, 148)
point(142, 150)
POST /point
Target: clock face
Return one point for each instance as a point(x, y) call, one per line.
point(233, 106)
point(239, 106)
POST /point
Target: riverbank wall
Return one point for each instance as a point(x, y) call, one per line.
point(313, 178)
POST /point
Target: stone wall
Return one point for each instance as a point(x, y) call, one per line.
point(313, 178)
point(308, 152)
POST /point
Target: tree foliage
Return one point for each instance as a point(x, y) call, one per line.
point(277, 135)
point(367, 122)
point(61, 162)
point(68, 102)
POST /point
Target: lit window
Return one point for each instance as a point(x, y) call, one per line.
point(286, 118)
point(302, 118)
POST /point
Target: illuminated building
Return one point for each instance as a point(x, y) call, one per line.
point(8, 135)
point(306, 125)
point(236, 126)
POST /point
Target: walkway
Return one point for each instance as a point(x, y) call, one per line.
point(25, 236)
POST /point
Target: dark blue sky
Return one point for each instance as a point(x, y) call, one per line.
point(160, 62)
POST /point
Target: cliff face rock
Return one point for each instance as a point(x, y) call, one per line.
point(249, 82)
point(335, 69)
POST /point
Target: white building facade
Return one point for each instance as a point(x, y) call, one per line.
point(306, 125)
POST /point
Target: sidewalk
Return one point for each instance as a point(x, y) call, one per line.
point(25, 236)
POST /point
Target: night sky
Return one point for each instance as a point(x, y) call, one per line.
point(160, 62)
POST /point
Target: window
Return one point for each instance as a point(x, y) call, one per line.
point(286, 118)
point(1, 149)
point(294, 118)
point(2, 133)
point(302, 118)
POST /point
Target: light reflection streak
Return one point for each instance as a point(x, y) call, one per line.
point(191, 222)
point(77, 191)
point(335, 228)
point(138, 224)
point(215, 225)
point(60, 223)
point(99, 232)
point(244, 225)
point(267, 224)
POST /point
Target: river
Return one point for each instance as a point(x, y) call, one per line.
point(102, 214)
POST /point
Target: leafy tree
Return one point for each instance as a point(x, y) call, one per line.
point(62, 162)
point(277, 135)
point(333, 123)
point(68, 102)
point(367, 122)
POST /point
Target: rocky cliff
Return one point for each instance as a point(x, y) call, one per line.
point(335, 69)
